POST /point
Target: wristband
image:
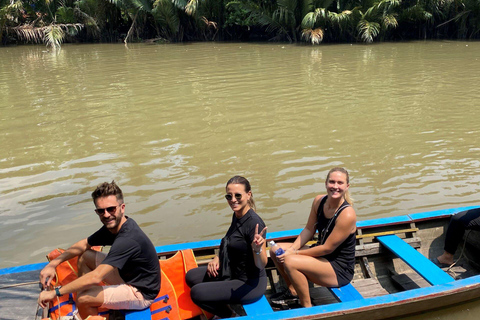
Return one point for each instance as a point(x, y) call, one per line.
point(258, 251)
point(57, 292)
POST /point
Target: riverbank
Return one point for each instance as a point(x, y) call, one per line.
point(56, 22)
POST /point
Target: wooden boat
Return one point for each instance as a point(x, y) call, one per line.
point(393, 274)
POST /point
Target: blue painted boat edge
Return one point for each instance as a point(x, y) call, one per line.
point(24, 268)
point(289, 233)
point(369, 302)
point(438, 213)
point(216, 242)
point(383, 221)
point(275, 235)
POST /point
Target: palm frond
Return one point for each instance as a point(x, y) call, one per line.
point(165, 13)
point(29, 33)
point(368, 30)
point(191, 7)
point(180, 4)
point(340, 18)
point(89, 21)
point(54, 36)
point(390, 21)
point(309, 20)
point(314, 36)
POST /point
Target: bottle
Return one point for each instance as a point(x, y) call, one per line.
point(278, 251)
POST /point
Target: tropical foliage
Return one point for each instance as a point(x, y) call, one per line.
point(53, 22)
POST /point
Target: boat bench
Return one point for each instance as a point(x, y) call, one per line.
point(255, 309)
point(144, 314)
point(346, 293)
point(258, 307)
point(417, 261)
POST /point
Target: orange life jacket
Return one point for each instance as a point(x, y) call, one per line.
point(65, 272)
point(173, 301)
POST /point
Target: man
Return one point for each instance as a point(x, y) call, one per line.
point(130, 269)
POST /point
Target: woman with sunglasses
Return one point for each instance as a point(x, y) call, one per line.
point(331, 261)
point(244, 247)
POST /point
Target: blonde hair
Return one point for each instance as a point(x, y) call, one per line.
point(348, 198)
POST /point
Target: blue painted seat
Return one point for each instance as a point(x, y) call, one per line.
point(258, 307)
point(346, 293)
point(418, 262)
point(144, 314)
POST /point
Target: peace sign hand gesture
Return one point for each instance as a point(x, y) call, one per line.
point(258, 240)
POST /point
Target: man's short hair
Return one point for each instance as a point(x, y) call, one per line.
point(108, 189)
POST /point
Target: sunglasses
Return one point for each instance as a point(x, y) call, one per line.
point(238, 196)
point(110, 210)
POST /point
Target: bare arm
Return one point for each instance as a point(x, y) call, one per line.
point(344, 226)
point(309, 230)
point(48, 272)
point(259, 246)
point(90, 279)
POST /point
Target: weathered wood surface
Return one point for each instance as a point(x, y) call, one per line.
point(19, 302)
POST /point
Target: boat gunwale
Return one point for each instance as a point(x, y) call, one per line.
point(385, 301)
point(276, 235)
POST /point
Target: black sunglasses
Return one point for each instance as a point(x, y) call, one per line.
point(229, 197)
point(110, 210)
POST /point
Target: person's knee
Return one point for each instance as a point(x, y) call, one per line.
point(87, 259)
point(290, 263)
point(196, 295)
point(87, 298)
point(190, 278)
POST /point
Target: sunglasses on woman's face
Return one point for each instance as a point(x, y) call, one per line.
point(238, 196)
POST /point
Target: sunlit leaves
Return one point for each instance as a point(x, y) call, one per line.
point(368, 30)
point(191, 7)
point(313, 36)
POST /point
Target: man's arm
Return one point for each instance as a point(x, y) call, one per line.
point(48, 272)
point(84, 282)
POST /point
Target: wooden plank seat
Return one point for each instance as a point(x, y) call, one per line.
point(418, 262)
point(346, 293)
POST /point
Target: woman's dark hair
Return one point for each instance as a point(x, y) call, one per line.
point(244, 181)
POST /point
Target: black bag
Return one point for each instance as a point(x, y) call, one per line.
point(225, 272)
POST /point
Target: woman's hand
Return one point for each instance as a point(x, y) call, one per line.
point(212, 268)
point(289, 251)
point(258, 240)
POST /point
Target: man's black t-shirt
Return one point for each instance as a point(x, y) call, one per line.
point(133, 254)
point(241, 234)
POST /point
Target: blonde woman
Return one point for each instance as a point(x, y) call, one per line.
point(331, 261)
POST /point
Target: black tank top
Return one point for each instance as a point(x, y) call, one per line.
point(345, 252)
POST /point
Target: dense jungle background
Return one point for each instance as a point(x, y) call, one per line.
point(54, 22)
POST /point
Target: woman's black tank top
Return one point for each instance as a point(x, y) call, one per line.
point(345, 252)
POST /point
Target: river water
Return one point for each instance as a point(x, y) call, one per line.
point(172, 123)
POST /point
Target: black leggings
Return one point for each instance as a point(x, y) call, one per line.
point(461, 221)
point(214, 295)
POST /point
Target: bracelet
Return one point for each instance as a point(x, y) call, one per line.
point(57, 292)
point(258, 251)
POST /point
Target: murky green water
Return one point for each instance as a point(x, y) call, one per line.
point(172, 123)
